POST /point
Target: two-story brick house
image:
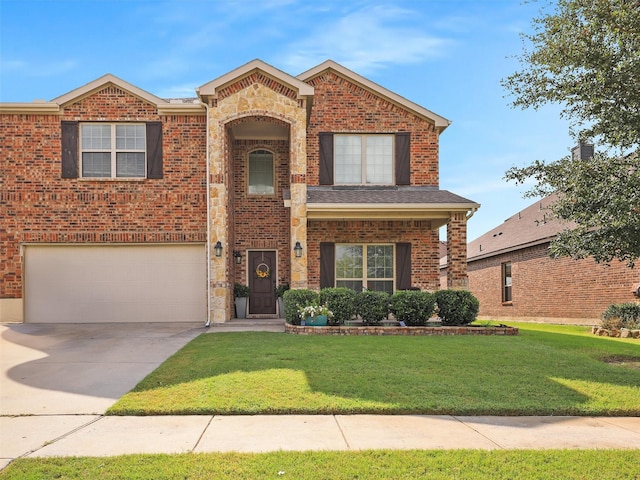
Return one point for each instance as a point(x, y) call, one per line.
point(119, 206)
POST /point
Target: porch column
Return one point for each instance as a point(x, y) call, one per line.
point(220, 289)
point(298, 186)
point(457, 252)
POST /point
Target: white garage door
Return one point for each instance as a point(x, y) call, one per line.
point(115, 283)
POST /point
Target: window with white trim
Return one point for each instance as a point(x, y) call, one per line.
point(363, 159)
point(506, 282)
point(365, 266)
point(113, 150)
point(261, 173)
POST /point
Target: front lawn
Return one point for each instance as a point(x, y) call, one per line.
point(371, 465)
point(546, 370)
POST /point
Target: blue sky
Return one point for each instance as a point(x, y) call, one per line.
point(446, 55)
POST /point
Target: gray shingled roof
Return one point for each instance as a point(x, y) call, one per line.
point(531, 226)
point(383, 195)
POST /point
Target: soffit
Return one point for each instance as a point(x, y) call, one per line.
point(440, 122)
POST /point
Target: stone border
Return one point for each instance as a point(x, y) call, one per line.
point(404, 331)
point(613, 332)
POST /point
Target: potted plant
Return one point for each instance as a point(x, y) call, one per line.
point(241, 296)
point(314, 315)
point(280, 289)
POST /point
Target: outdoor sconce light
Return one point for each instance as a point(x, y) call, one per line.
point(238, 256)
point(298, 250)
point(217, 249)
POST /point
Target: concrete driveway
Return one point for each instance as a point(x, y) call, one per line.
point(58, 369)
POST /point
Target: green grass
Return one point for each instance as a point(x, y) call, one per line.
point(546, 370)
point(380, 464)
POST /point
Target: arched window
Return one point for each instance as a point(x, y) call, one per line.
point(261, 173)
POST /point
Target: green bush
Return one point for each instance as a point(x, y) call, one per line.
point(240, 290)
point(412, 307)
point(297, 298)
point(372, 306)
point(456, 307)
point(341, 301)
point(621, 315)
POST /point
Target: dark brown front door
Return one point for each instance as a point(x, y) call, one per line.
point(262, 281)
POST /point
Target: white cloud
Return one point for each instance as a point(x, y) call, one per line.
point(367, 40)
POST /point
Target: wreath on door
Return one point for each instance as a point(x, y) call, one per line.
point(263, 271)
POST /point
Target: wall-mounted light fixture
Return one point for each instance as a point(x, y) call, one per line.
point(298, 250)
point(238, 257)
point(217, 249)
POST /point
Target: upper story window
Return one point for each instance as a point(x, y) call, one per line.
point(364, 159)
point(261, 173)
point(113, 150)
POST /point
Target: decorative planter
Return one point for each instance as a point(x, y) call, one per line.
point(280, 307)
point(317, 321)
point(241, 307)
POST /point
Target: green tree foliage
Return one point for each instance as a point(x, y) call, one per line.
point(585, 55)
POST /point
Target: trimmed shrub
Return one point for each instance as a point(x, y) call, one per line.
point(456, 307)
point(621, 315)
point(372, 306)
point(240, 290)
point(413, 307)
point(341, 301)
point(297, 298)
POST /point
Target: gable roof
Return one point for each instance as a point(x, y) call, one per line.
point(210, 89)
point(532, 226)
point(440, 122)
point(58, 103)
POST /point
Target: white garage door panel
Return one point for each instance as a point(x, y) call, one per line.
point(92, 284)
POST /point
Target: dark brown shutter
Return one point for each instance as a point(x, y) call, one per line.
point(403, 266)
point(326, 158)
point(69, 149)
point(327, 265)
point(154, 149)
point(403, 158)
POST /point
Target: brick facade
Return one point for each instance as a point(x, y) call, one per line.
point(202, 195)
point(547, 289)
point(38, 206)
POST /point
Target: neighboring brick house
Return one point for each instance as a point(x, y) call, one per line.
point(514, 278)
point(119, 206)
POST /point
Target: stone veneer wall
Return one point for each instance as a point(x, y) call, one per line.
point(253, 96)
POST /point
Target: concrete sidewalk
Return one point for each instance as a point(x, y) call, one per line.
point(97, 435)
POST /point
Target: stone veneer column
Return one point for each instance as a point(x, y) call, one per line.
point(298, 186)
point(457, 252)
point(221, 292)
point(254, 100)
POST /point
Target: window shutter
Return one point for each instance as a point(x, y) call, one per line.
point(326, 158)
point(69, 149)
point(403, 158)
point(327, 265)
point(154, 149)
point(403, 266)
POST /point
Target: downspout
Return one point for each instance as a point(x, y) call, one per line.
point(471, 212)
point(208, 249)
